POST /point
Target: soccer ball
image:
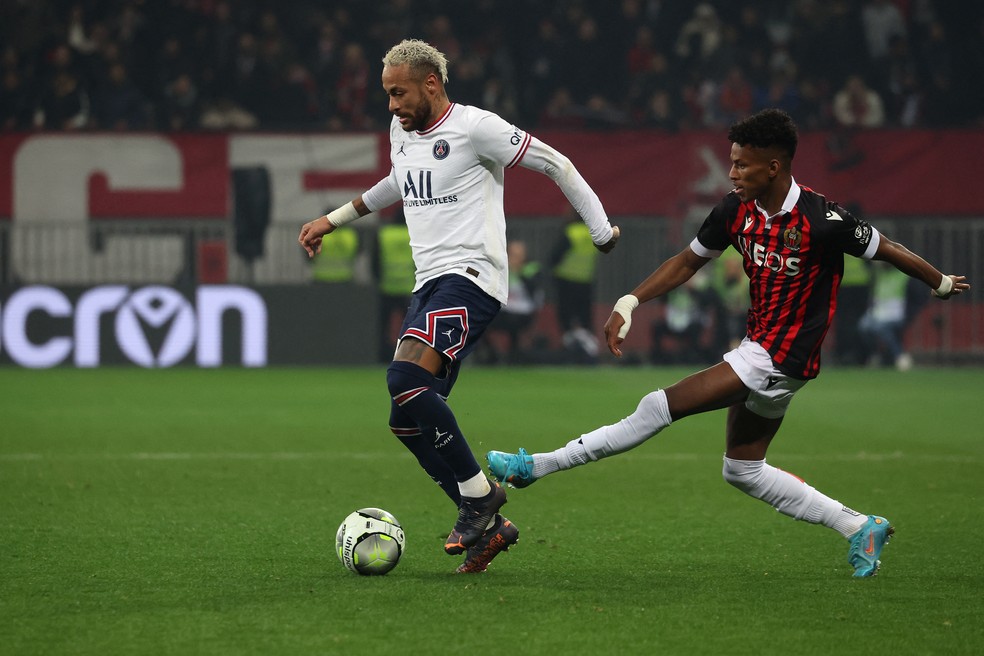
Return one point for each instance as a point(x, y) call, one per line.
point(370, 541)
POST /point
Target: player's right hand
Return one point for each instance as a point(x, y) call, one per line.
point(610, 244)
point(312, 233)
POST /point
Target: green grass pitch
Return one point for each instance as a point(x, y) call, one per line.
point(193, 512)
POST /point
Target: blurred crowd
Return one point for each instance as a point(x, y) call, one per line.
point(315, 65)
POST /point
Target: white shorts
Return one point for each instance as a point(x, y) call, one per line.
point(770, 389)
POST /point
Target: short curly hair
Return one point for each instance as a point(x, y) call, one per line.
point(422, 57)
point(768, 128)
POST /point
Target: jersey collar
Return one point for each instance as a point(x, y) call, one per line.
point(438, 122)
point(792, 197)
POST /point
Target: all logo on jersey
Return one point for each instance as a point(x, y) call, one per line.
point(441, 149)
point(792, 238)
point(418, 190)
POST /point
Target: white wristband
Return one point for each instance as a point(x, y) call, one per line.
point(344, 214)
point(946, 286)
point(624, 307)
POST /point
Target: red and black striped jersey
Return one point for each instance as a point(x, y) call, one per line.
point(794, 263)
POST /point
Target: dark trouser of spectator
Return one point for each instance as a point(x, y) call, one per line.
point(883, 339)
point(849, 344)
point(573, 304)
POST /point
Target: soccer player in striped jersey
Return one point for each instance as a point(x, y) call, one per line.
point(448, 164)
point(793, 242)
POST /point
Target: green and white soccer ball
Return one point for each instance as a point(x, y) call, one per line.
point(370, 541)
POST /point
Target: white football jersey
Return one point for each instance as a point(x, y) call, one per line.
point(450, 180)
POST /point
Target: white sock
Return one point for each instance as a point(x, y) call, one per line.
point(652, 416)
point(791, 495)
point(475, 487)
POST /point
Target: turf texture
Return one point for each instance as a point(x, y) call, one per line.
point(194, 512)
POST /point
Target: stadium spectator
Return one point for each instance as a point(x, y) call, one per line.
point(64, 104)
point(858, 106)
point(561, 112)
point(255, 53)
point(895, 78)
point(691, 325)
point(661, 113)
point(224, 114)
point(118, 104)
point(698, 45)
point(543, 70)
point(573, 263)
point(736, 97)
point(392, 264)
point(882, 21)
point(352, 91)
point(781, 350)
point(522, 305)
point(16, 107)
point(884, 322)
point(448, 162)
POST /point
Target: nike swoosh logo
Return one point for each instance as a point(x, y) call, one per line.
point(870, 549)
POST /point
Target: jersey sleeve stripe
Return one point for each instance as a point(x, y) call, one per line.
point(522, 152)
point(702, 250)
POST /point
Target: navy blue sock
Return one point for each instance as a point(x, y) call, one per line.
point(412, 389)
point(409, 434)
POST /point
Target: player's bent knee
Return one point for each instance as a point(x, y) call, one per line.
point(403, 378)
point(743, 474)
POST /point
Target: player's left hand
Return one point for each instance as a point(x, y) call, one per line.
point(612, 329)
point(610, 244)
point(959, 286)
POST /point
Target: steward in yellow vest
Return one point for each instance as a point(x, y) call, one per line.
point(395, 276)
point(336, 261)
point(576, 261)
point(396, 269)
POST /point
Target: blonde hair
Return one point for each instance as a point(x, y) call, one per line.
point(420, 56)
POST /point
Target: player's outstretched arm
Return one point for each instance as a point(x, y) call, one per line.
point(671, 274)
point(314, 231)
point(545, 159)
point(943, 286)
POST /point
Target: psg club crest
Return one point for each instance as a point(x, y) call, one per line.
point(441, 149)
point(792, 237)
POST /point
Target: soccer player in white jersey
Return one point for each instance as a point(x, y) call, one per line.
point(448, 162)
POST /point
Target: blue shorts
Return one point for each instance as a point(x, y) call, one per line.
point(449, 314)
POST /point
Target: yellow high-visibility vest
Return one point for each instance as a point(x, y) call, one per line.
point(578, 264)
point(336, 261)
point(397, 273)
point(856, 273)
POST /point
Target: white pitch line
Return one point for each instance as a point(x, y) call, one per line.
point(165, 456)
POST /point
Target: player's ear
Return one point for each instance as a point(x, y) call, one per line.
point(430, 83)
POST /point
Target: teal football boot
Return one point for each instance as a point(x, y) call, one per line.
point(516, 469)
point(867, 544)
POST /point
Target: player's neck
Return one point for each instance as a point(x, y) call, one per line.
point(772, 201)
point(440, 108)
